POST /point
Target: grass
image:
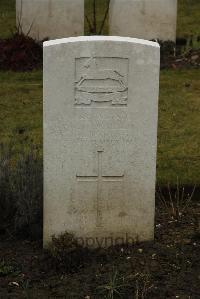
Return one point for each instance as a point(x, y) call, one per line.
point(21, 106)
point(179, 119)
point(179, 123)
point(7, 17)
point(188, 16)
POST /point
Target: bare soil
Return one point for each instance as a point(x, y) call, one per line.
point(169, 267)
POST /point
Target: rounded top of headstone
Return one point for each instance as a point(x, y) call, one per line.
point(101, 38)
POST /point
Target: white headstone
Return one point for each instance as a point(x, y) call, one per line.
point(50, 18)
point(100, 138)
point(147, 19)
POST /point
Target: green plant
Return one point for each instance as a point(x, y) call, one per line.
point(7, 202)
point(193, 43)
point(26, 288)
point(142, 286)
point(119, 286)
point(114, 287)
point(67, 254)
point(175, 202)
point(21, 188)
point(27, 189)
point(5, 268)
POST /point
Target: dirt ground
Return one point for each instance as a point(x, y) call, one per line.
point(169, 267)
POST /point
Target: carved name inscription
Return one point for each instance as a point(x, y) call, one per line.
point(101, 81)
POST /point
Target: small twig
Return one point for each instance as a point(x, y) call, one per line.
point(19, 20)
point(105, 17)
point(178, 196)
point(94, 17)
point(171, 200)
point(89, 24)
point(189, 199)
point(30, 28)
point(162, 198)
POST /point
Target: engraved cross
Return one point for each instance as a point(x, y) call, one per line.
point(99, 179)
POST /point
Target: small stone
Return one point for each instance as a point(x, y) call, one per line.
point(158, 225)
point(187, 84)
point(14, 283)
point(195, 57)
point(187, 241)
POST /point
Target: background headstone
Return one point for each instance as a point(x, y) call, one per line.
point(146, 19)
point(50, 18)
point(100, 138)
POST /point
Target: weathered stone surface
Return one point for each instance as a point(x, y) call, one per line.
point(100, 138)
point(147, 19)
point(50, 18)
